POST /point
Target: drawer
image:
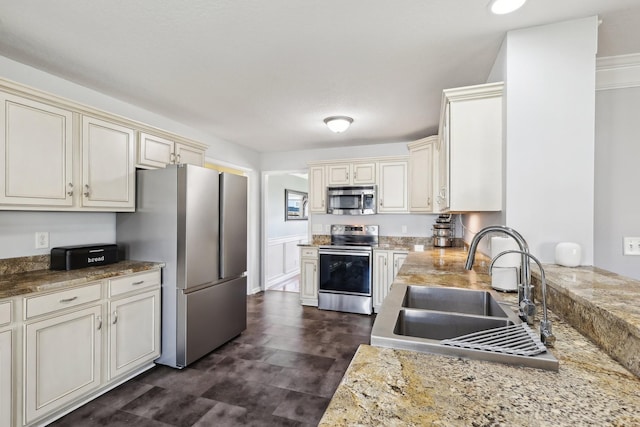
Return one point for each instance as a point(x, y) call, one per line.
point(309, 252)
point(5, 313)
point(133, 282)
point(49, 303)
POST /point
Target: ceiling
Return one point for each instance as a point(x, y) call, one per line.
point(264, 74)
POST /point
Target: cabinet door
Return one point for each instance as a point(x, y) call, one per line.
point(309, 281)
point(442, 196)
point(189, 155)
point(364, 173)
point(380, 277)
point(317, 189)
point(6, 379)
point(392, 188)
point(155, 151)
point(398, 260)
point(36, 153)
point(61, 360)
point(108, 165)
point(339, 174)
point(420, 178)
point(134, 332)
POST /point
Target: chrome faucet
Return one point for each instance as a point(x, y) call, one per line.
point(546, 335)
point(526, 307)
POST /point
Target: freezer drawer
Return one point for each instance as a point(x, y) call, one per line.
point(210, 317)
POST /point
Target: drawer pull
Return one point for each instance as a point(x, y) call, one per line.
point(65, 300)
point(139, 282)
point(115, 317)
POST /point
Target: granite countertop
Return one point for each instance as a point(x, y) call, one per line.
point(14, 284)
point(404, 388)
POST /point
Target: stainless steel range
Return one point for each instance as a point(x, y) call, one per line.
point(345, 269)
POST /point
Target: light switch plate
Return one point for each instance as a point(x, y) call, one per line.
point(631, 246)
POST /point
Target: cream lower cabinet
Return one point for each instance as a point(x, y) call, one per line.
point(134, 331)
point(78, 342)
point(386, 265)
point(309, 276)
point(62, 360)
point(6, 365)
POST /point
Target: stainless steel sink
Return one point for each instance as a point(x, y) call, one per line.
point(434, 319)
point(441, 326)
point(452, 300)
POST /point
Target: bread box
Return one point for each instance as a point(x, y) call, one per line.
point(73, 257)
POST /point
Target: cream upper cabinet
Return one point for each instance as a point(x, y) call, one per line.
point(421, 171)
point(36, 152)
point(317, 189)
point(188, 155)
point(157, 152)
point(471, 135)
point(357, 173)
point(108, 165)
point(392, 186)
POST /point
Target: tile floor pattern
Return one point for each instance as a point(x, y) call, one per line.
point(282, 371)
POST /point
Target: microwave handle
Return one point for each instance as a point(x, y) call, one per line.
point(362, 203)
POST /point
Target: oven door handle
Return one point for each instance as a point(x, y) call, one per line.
point(349, 252)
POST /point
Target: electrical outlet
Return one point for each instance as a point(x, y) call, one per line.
point(42, 239)
point(631, 245)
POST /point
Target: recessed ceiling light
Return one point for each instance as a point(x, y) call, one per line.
point(502, 7)
point(338, 124)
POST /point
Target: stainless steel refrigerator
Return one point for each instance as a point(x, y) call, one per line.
point(194, 220)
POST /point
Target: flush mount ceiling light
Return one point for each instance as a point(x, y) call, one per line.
point(502, 7)
point(338, 124)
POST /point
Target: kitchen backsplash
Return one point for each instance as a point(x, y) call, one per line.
point(390, 241)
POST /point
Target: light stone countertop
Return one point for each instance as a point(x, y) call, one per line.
point(404, 388)
point(44, 280)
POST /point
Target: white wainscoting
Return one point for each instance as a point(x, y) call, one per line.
point(283, 258)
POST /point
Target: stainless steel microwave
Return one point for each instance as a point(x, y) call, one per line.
point(352, 200)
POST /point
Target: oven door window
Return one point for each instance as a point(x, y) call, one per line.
point(343, 272)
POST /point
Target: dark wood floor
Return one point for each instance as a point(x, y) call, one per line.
point(282, 371)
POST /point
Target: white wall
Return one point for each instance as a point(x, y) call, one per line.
point(293, 160)
point(104, 225)
point(617, 199)
point(17, 230)
point(276, 225)
point(550, 117)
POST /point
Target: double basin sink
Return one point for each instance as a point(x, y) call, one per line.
point(433, 319)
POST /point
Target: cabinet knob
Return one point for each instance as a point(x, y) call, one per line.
point(178, 159)
point(86, 190)
point(115, 317)
point(99, 322)
point(70, 192)
point(381, 203)
point(347, 176)
point(172, 158)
